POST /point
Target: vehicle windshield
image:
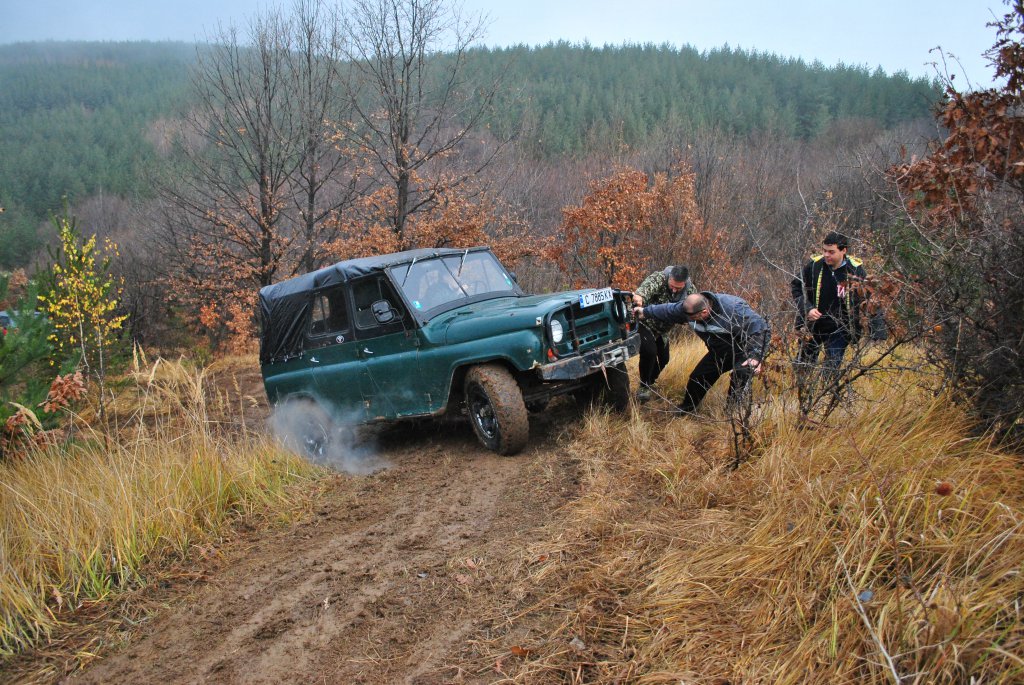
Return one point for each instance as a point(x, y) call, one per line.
point(429, 283)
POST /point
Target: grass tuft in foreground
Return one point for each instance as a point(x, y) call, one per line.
point(885, 546)
point(81, 521)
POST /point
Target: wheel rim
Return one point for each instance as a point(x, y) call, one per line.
point(483, 415)
point(314, 439)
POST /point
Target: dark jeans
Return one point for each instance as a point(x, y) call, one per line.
point(835, 343)
point(708, 370)
point(653, 355)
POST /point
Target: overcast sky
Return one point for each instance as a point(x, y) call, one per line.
point(893, 34)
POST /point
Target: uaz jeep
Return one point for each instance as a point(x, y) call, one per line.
point(438, 331)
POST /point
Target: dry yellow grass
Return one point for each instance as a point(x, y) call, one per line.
point(80, 521)
point(884, 547)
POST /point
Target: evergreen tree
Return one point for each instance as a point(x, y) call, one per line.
point(25, 351)
point(25, 343)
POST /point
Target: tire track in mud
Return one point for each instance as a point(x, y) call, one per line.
point(385, 584)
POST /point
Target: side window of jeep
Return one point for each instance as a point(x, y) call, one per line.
point(374, 289)
point(329, 323)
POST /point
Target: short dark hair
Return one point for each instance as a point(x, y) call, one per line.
point(837, 239)
point(679, 273)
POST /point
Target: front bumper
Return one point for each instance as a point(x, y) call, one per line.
point(589, 362)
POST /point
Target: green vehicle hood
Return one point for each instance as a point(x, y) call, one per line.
point(494, 317)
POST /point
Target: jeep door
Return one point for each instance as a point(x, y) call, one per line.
point(388, 350)
point(333, 355)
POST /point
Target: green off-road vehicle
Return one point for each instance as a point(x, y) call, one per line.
point(438, 332)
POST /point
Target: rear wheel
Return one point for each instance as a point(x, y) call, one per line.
point(496, 409)
point(306, 428)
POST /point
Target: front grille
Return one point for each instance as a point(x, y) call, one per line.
point(585, 329)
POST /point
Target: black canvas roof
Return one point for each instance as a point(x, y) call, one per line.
point(284, 306)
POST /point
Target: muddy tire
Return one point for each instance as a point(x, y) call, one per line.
point(586, 396)
point(496, 409)
point(306, 428)
point(612, 393)
point(615, 393)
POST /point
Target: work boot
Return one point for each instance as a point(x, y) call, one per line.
point(643, 394)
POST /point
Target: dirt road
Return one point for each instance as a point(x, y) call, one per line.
point(389, 583)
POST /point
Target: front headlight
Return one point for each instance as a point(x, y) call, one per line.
point(556, 331)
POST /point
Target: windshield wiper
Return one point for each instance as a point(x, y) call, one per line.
point(461, 263)
point(407, 272)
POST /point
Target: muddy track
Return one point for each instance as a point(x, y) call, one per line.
point(387, 583)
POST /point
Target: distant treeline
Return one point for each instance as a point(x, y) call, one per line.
point(578, 95)
point(73, 122)
point(76, 119)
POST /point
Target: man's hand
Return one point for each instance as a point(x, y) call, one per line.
point(637, 300)
point(753, 364)
point(813, 315)
point(638, 312)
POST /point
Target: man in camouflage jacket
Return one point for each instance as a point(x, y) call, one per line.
point(671, 284)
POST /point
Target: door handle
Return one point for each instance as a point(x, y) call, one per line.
point(367, 351)
point(314, 360)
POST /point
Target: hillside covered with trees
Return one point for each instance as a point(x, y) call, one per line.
point(78, 120)
point(74, 121)
point(583, 96)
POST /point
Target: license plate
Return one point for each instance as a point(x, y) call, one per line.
point(595, 297)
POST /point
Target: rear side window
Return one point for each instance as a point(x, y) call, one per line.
point(367, 291)
point(330, 317)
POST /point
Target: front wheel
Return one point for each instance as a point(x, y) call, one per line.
point(615, 392)
point(609, 389)
point(496, 409)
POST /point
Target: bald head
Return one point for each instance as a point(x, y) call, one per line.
point(695, 303)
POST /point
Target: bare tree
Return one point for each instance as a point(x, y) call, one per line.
point(960, 233)
point(324, 181)
point(236, 182)
point(261, 178)
point(414, 104)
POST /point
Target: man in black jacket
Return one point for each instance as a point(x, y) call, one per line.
point(828, 294)
point(736, 337)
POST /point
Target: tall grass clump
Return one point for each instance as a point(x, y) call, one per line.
point(82, 520)
point(884, 545)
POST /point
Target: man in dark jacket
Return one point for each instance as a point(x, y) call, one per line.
point(736, 337)
point(669, 285)
point(828, 294)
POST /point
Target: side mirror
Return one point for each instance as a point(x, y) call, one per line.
point(383, 312)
